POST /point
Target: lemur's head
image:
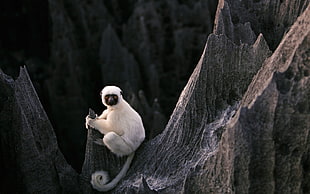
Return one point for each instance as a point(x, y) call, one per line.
point(111, 95)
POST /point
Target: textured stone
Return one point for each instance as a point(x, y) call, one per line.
point(258, 146)
point(30, 158)
point(218, 82)
point(241, 124)
point(118, 66)
point(137, 45)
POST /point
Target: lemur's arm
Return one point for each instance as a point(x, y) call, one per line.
point(104, 114)
point(103, 125)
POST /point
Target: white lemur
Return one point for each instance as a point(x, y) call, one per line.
point(123, 133)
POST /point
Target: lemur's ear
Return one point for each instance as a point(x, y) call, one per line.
point(101, 93)
point(121, 93)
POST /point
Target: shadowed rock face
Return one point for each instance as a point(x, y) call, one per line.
point(137, 45)
point(241, 124)
point(215, 145)
point(30, 158)
point(266, 143)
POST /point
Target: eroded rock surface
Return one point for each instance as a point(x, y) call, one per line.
point(31, 161)
point(241, 124)
point(260, 145)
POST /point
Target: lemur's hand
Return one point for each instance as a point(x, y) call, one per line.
point(90, 118)
point(88, 122)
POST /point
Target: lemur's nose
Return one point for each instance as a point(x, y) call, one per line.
point(111, 101)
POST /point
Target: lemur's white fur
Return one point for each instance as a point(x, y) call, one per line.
point(123, 133)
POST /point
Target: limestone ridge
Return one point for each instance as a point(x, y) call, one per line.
point(28, 142)
point(229, 133)
point(241, 124)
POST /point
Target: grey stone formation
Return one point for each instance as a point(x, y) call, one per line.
point(241, 124)
point(146, 46)
point(30, 158)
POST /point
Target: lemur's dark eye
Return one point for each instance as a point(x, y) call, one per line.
point(106, 97)
point(115, 97)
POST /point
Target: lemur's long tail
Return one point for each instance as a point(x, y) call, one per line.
point(99, 179)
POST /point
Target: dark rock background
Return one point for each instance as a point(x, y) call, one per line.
point(241, 124)
point(73, 49)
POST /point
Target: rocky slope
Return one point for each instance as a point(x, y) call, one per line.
point(215, 143)
point(137, 45)
point(73, 49)
point(241, 124)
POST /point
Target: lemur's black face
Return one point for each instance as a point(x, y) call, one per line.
point(111, 96)
point(111, 99)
